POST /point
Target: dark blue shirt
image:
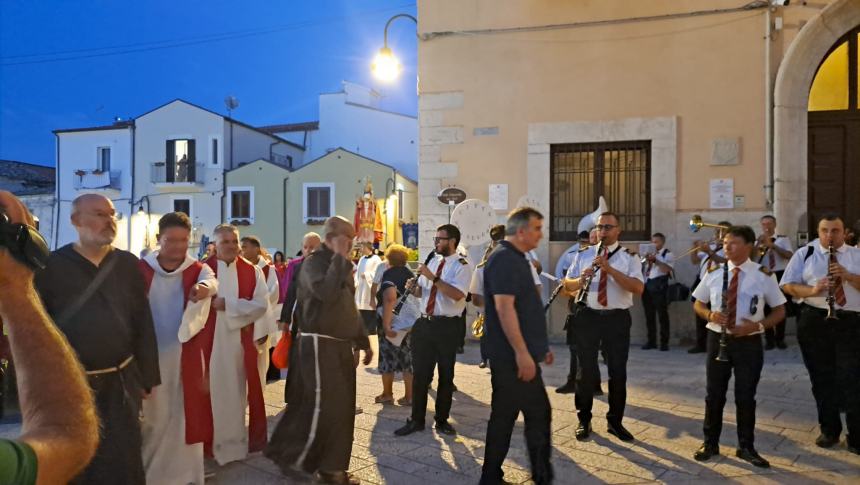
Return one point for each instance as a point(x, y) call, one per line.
point(507, 272)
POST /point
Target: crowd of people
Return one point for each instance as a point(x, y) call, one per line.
point(155, 362)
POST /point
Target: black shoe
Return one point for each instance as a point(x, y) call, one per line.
point(696, 350)
point(409, 428)
point(567, 388)
point(769, 346)
point(664, 347)
point(598, 391)
point(706, 451)
point(445, 428)
point(454, 388)
point(826, 441)
point(583, 429)
point(751, 455)
point(853, 449)
point(460, 350)
point(483, 364)
point(619, 431)
point(781, 345)
point(649, 346)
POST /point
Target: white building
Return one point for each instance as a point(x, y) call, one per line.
point(352, 119)
point(172, 158)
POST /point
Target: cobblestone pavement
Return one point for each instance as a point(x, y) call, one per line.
point(665, 408)
point(664, 411)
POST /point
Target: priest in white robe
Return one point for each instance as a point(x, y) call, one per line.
point(266, 328)
point(179, 289)
point(234, 382)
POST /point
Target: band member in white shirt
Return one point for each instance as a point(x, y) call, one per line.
point(710, 254)
point(657, 268)
point(827, 283)
point(737, 292)
point(773, 252)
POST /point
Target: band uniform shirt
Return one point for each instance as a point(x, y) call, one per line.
point(506, 273)
point(706, 263)
point(664, 256)
point(457, 272)
point(779, 263)
point(757, 286)
point(566, 260)
point(617, 297)
point(807, 271)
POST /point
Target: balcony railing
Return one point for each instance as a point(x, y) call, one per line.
point(96, 179)
point(178, 173)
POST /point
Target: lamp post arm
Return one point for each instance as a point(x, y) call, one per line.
point(387, 24)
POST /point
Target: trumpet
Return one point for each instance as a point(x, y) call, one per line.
point(761, 249)
point(696, 225)
point(582, 296)
point(831, 291)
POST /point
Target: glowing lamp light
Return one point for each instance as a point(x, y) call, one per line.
point(386, 67)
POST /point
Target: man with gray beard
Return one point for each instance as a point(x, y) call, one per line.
point(95, 294)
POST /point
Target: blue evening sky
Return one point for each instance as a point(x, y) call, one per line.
point(275, 56)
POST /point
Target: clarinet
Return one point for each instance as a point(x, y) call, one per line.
point(410, 287)
point(554, 294)
point(831, 291)
point(723, 355)
point(582, 296)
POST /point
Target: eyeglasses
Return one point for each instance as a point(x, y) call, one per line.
point(754, 305)
point(437, 239)
point(605, 227)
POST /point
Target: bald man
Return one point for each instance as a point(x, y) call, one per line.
point(315, 433)
point(96, 295)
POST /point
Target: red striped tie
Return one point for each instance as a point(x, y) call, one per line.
point(771, 262)
point(839, 292)
point(732, 299)
point(601, 286)
point(431, 302)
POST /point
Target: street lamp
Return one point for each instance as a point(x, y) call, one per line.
point(386, 67)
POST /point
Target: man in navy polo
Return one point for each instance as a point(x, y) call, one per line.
point(515, 330)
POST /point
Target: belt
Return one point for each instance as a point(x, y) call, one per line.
point(320, 335)
point(605, 312)
point(122, 365)
point(822, 311)
point(438, 317)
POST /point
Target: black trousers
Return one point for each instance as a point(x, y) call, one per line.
point(776, 333)
point(510, 397)
point(434, 342)
point(371, 321)
point(655, 301)
point(612, 329)
point(571, 345)
point(746, 358)
point(831, 352)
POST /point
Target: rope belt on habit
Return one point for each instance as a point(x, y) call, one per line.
point(118, 368)
point(322, 336)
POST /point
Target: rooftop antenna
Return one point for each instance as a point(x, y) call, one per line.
point(231, 102)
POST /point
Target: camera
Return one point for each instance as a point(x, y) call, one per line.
point(24, 243)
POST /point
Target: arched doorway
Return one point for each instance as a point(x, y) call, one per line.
point(798, 68)
point(833, 171)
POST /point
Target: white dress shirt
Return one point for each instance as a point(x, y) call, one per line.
point(457, 272)
point(664, 256)
point(623, 261)
point(755, 289)
point(814, 268)
point(364, 280)
point(566, 260)
point(779, 263)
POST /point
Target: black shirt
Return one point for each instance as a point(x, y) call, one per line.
point(397, 277)
point(110, 324)
point(507, 272)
